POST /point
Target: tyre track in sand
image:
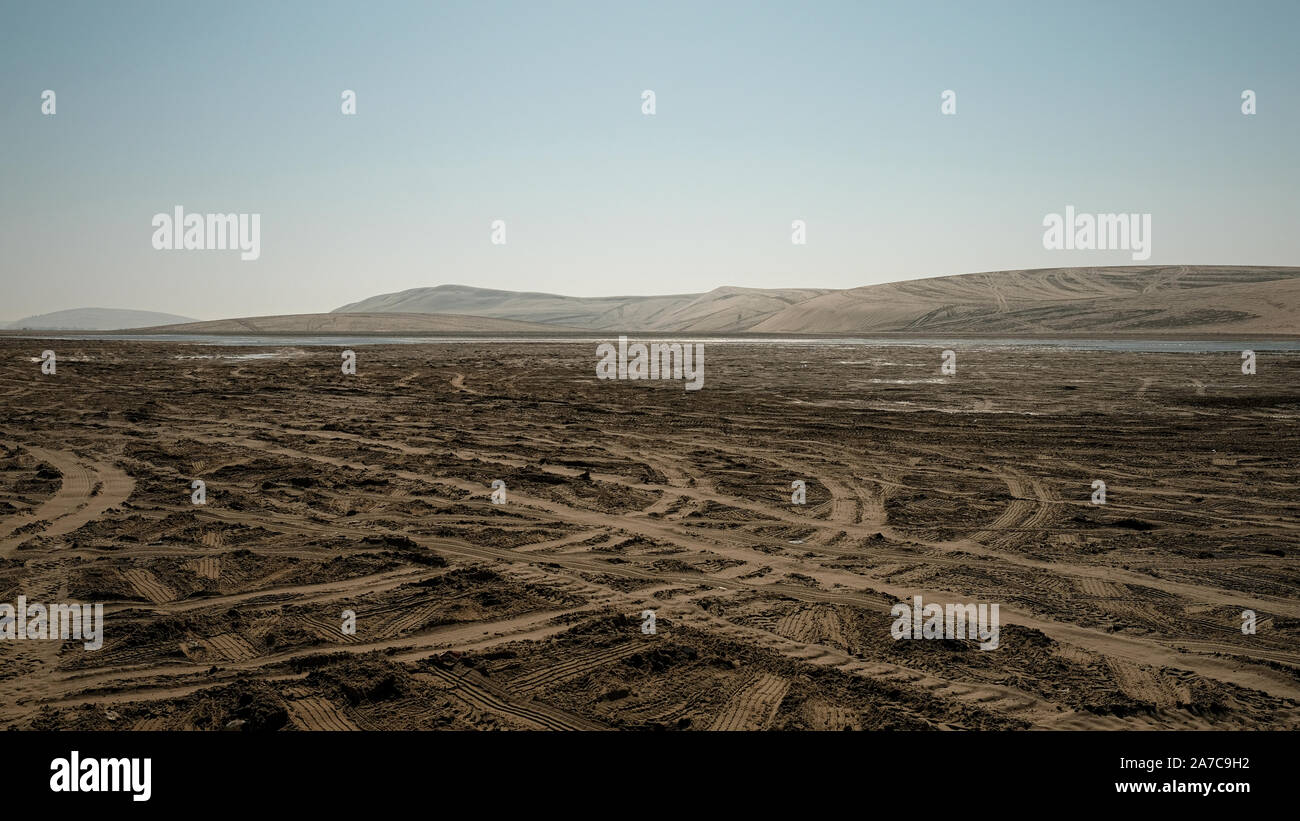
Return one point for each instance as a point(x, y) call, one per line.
point(1142, 649)
point(574, 667)
point(477, 690)
point(753, 706)
point(88, 490)
point(656, 530)
point(1146, 650)
point(315, 713)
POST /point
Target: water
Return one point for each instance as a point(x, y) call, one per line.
point(1135, 345)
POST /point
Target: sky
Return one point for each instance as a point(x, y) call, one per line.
point(531, 113)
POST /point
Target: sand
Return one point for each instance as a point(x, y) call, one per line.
point(1140, 300)
point(372, 494)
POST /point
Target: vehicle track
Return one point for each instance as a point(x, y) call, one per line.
point(88, 490)
point(754, 705)
point(477, 690)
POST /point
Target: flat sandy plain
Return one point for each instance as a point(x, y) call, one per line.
point(371, 493)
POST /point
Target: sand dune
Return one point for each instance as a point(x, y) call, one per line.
point(356, 324)
point(1149, 300)
point(1140, 299)
point(722, 309)
point(1137, 300)
point(734, 309)
point(93, 319)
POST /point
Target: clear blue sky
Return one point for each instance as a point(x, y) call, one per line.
point(531, 113)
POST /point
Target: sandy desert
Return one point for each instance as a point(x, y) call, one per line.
point(372, 494)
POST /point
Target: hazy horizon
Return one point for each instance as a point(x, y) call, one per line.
point(764, 115)
point(4, 320)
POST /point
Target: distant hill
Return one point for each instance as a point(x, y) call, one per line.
point(1146, 300)
point(1168, 300)
point(344, 324)
point(721, 310)
point(94, 319)
point(1140, 300)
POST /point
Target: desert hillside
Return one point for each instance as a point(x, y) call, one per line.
point(720, 310)
point(357, 324)
point(1149, 300)
point(1136, 300)
point(1140, 300)
point(93, 319)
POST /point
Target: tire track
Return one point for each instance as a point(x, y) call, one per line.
point(754, 706)
point(318, 714)
point(574, 667)
point(86, 493)
point(475, 689)
point(148, 585)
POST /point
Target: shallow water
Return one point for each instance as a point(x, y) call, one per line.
point(1137, 345)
